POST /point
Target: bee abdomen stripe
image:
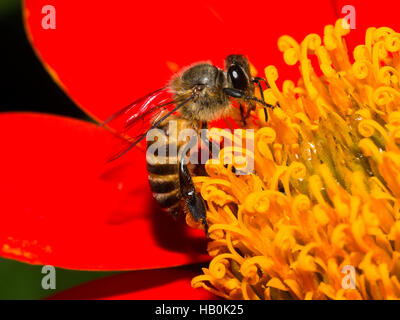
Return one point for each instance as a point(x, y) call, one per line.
point(163, 184)
point(168, 199)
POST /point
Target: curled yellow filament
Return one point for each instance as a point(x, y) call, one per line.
point(325, 190)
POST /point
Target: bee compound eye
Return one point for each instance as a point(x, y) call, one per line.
point(238, 77)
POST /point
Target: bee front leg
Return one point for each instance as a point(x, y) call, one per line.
point(257, 81)
point(213, 148)
point(193, 200)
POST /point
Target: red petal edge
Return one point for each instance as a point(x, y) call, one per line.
point(62, 204)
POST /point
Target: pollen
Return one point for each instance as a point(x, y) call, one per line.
point(324, 193)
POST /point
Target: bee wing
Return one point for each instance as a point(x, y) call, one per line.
point(133, 122)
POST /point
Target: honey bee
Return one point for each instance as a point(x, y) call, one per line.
point(198, 95)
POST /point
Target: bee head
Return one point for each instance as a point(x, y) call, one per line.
point(238, 73)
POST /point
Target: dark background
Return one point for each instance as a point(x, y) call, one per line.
point(26, 86)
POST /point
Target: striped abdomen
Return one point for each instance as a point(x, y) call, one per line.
point(164, 170)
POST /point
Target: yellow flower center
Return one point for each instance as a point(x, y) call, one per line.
point(324, 195)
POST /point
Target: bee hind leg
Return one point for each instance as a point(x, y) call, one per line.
point(197, 209)
point(193, 201)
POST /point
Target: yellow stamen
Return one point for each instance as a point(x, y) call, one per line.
point(325, 192)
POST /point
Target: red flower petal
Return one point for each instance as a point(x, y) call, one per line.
point(107, 55)
point(374, 14)
point(166, 284)
point(62, 204)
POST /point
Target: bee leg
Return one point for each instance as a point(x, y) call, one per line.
point(212, 146)
point(257, 81)
point(193, 200)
